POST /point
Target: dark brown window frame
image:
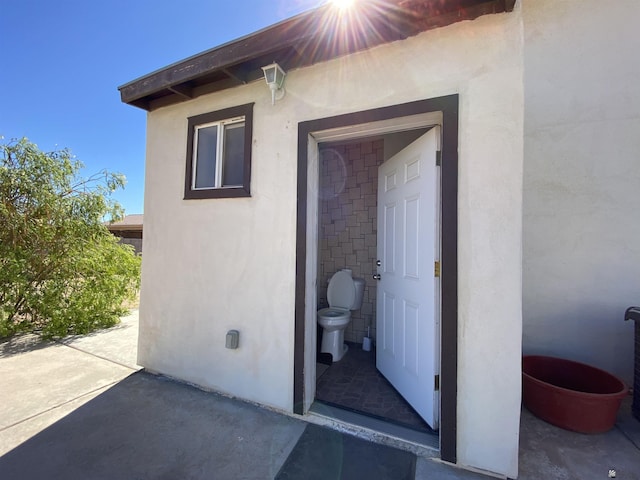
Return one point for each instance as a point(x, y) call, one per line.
point(219, 115)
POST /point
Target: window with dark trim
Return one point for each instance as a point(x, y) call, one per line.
point(219, 154)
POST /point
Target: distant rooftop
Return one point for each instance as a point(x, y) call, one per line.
point(128, 223)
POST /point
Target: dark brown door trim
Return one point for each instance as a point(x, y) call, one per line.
point(448, 105)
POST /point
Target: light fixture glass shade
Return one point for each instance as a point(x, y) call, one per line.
point(269, 75)
point(274, 75)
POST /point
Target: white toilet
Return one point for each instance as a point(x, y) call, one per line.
point(344, 294)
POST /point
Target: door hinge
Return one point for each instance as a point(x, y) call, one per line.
point(436, 272)
point(438, 158)
point(436, 383)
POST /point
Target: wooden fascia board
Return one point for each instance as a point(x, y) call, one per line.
point(120, 228)
point(301, 35)
point(211, 61)
point(469, 13)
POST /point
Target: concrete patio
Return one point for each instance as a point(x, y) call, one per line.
point(80, 408)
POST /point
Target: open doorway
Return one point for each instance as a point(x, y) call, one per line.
point(347, 239)
point(361, 126)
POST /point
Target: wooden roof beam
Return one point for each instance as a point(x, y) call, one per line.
point(182, 90)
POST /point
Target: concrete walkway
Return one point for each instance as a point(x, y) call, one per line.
point(43, 382)
point(80, 409)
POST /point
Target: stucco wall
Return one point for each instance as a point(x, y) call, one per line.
point(214, 265)
point(582, 180)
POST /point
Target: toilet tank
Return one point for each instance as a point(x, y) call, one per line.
point(357, 301)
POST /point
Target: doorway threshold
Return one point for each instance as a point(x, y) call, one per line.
point(374, 429)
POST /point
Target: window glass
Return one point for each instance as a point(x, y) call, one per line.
point(219, 154)
point(232, 174)
point(206, 152)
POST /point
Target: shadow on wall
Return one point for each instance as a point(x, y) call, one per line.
point(592, 333)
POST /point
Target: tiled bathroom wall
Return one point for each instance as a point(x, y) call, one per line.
point(348, 224)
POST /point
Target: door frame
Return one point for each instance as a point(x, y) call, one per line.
point(309, 134)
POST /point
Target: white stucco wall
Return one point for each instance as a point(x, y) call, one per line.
point(582, 180)
point(214, 265)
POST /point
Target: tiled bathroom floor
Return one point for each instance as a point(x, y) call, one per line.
point(355, 384)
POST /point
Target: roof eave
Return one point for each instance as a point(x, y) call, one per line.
point(311, 37)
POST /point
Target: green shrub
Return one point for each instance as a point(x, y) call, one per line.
point(61, 270)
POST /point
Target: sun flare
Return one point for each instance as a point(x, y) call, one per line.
point(342, 4)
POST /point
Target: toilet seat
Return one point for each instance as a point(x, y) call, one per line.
point(341, 295)
point(342, 291)
point(333, 315)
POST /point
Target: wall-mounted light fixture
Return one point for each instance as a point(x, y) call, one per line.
point(274, 76)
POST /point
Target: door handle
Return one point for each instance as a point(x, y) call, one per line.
point(377, 276)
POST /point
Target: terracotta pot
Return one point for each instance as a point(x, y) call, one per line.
point(571, 395)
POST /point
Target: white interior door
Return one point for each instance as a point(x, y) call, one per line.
point(407, 316)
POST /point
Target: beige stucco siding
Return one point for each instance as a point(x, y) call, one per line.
point(220, 264)
point(582, 180)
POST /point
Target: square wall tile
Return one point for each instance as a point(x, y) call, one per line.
point(347, 226)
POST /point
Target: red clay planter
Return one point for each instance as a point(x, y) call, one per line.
point(571, 395)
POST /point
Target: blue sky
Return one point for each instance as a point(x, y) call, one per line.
point(64, 59)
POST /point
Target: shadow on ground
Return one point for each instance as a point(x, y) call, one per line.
point(21, 343)
point(148, 427)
